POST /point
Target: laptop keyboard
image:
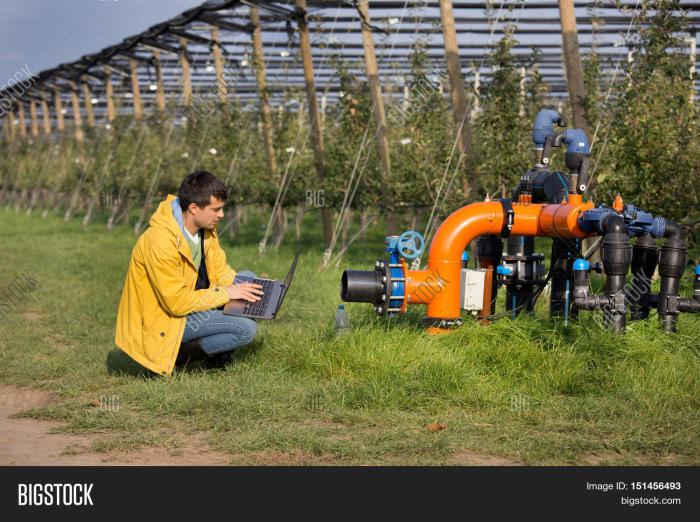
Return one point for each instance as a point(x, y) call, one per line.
point(258, 307)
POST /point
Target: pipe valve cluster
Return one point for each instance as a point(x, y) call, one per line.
point(544, 204)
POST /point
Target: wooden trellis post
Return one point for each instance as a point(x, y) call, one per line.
point(58, 107)
point(160, 87)
point(572, 60)
point(458, 95)
point(405, 102)
point(77, 118)
point(259, 58)
point(10, 126)
point(109, 95)
point(523, 92)
point(186, 75)
point(221, 86)
point(45, 114)
point(135, 89)
point(314, 116)
point(32, 114)
point(22, 120)
point(375, 89)
point(89, 112)
point(13, 118)
point(476, 93)
point(692, 40)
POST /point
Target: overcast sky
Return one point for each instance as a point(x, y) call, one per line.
point(45, 33)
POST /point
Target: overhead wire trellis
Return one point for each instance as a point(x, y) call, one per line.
point(209, 52)
point(538, 27)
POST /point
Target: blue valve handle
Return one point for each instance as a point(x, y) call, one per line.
point(411, 244)
point(577, 141)
point(544, 126)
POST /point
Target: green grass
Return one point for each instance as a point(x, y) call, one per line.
point(529, 390)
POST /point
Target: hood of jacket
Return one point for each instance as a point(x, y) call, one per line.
point(168, 216)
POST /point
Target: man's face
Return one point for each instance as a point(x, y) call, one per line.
point(209, 216)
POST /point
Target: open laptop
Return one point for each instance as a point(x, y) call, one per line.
point(269, 303)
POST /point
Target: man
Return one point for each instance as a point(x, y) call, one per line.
point(178, 282)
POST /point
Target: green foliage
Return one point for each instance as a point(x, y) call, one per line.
point(422, 136)
point(502, 145)
point(349, 142)
point(651, 126)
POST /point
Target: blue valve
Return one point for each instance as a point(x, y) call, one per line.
point(637, 221)
point(577, 141)
point(410, 244)
point(581, 264)
point(544, 126)
point(504, 270)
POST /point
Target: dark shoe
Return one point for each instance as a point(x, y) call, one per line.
point(190, 351)
point(218, 360)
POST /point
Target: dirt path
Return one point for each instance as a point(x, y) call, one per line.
point(28, 442)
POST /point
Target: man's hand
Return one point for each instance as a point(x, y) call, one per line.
point(248, 291)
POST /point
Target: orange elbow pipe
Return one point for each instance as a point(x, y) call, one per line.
point(444, 259)
point(438, 286)
point(422, 286)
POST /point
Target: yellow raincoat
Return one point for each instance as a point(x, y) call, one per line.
point(159, 290)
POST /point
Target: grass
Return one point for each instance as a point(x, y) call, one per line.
point(519, 391)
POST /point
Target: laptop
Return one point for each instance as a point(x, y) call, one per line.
point(269, 303)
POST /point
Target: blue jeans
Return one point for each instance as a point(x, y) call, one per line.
point(217, 332)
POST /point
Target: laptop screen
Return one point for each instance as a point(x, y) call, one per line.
point(288, 281)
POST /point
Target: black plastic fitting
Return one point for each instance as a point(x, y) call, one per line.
point(489, 250)
point(526, 275)
point(489, 246)
point(546, 186)
point(582, 299)
point(616, 255)
point(362, 286)
point(644, 259)
point(672, 259)
point(689, 305)
point(560, 275)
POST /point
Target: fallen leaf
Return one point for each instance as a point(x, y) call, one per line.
point(435, 426)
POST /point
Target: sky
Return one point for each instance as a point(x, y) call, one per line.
point(44, 33)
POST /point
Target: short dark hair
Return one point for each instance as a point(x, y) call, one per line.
point(198, 188)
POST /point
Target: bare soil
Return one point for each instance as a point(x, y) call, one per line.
point(32, 442)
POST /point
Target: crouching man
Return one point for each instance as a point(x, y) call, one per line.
point(178, 282)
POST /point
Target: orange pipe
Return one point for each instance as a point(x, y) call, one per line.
point(450, 240)
point(526, 221)
point(421, 286)
point(562, 220)
point(438, 286)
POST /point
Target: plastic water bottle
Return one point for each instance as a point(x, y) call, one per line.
point(342, 322)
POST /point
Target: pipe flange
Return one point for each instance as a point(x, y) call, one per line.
point(508, 216)
point(381, 306)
